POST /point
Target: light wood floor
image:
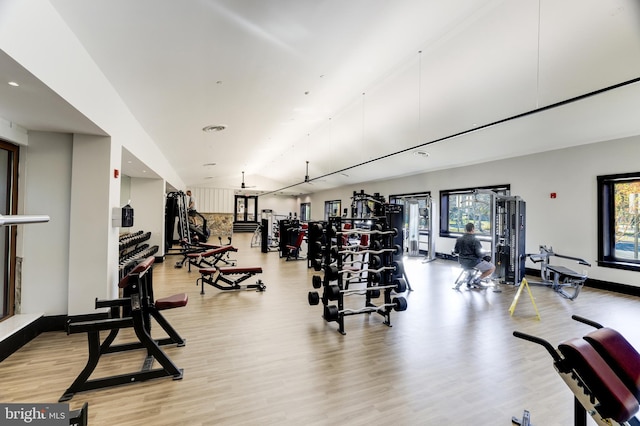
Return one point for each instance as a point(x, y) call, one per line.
point(269, 358)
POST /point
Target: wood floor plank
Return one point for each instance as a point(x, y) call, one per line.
point(269, 358)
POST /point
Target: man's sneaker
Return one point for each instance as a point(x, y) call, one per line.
point(476, 283)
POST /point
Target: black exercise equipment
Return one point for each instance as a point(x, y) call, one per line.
point(378, 268)
point(561, 279)
point(79, 417)
point(602, 370)
point(211, 257)
point(135, 311)
point(219, 275)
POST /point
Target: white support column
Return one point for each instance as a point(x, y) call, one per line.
point(93, 242)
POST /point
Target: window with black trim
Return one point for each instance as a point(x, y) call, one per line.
point(332, 208)
point(619, 221)
point(461, 206)
point(305, 212)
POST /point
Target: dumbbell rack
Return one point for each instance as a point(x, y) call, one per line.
point(133, 249)
point(380, 262)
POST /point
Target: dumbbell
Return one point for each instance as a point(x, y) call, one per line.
point(316, 281)
point(313, 297)
point(398, 269)
point(316, 264)
point(332, 292)
point(332, 313)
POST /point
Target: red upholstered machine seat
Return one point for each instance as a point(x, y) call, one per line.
point(175, 301)
point(623, 359)
point(140, 267)
point(616, 401)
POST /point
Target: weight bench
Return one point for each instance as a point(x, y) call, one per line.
point(603, 371)
point(211, 257)
point(558, 277)
point(219, 275)
point(136, 310)
point(562, 276)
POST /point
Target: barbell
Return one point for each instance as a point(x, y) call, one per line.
point(332, 313)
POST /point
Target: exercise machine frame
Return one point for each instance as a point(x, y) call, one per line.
point(559, 277)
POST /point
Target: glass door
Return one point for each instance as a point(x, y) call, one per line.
point(246, 208)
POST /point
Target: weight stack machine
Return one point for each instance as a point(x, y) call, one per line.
point(509, 239)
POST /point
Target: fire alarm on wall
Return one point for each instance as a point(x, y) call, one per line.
point(552, 195)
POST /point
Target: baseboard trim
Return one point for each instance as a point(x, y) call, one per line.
point(15, 341)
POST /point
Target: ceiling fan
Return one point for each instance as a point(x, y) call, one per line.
point(243, 185)
point(307, 179)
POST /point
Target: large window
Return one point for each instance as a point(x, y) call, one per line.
point(619, 221)
point(305, 212)
point(461, 206)
point(331, 209)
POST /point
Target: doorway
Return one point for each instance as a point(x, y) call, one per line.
point(245, 209)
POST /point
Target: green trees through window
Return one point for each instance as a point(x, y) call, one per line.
point(619, 221)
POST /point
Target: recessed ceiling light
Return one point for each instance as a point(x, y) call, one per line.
point(421, 153)
point(14, 84)
point(214, 128)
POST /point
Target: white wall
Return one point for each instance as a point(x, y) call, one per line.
point(280, 204)
point(147, 200)
point(46, 190)
point(125, 190)
point(213, 200)
point(568, 222)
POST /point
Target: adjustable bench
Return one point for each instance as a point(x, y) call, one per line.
point(211, 257)
point(562, 276)
point(218, 275)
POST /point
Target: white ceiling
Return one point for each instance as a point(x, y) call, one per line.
point(354, 87)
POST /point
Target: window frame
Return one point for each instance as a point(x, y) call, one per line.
point(607, 222)
point(328, 208)
point(305, 212)
point(444, 231)
point(9, 258)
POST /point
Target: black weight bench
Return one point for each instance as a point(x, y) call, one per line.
point(562, 276)
point(136, 310)
point(221, 275)
point(211, 257)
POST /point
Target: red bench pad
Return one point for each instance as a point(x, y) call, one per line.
point(623, 359)
point(175, 301)
point(140, 267)
point(212, 252)
point(616, 402)
point(229, 270)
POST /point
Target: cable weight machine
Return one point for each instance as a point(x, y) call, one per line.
point(508, 230)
